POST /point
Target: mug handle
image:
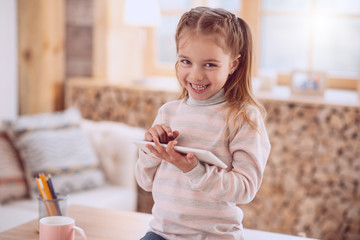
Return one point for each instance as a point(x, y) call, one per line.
point(82, 233)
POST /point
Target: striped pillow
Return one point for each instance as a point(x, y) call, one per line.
point(55, 144)
point(12, 180)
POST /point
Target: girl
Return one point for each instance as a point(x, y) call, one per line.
point(216, 112)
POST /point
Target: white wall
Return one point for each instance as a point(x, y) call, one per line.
point(8, 60)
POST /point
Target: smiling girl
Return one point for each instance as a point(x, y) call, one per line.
point(216, 112)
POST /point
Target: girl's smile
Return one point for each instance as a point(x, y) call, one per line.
point(198, 88)
point(203, 66)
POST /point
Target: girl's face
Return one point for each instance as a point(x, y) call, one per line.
point(203, 66)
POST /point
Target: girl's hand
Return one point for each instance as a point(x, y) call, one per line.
point(184, 162)
point(162, 132)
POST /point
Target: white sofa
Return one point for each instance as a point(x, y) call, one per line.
point(117, 156)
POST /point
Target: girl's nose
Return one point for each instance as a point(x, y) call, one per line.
point(196, 74)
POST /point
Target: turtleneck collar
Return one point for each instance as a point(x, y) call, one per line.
point(217, 98)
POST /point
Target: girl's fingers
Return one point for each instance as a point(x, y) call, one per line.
point(170, 149)
point(184, 162)
point(148, 136)
point(151, 148)
point(162, 135)
point(155, 132)
point(159, 148)
point(175, 134)
point(167, 129)
point(163, 132)
point(170, 146)
point(190, 156)
point(157, 142)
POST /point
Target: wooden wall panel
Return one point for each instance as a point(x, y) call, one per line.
point(79, 38)
point(41, 55)
point(252, 17)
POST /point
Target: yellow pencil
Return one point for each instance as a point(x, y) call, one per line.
point(42, 194)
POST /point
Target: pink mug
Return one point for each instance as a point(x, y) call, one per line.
point(59, 228)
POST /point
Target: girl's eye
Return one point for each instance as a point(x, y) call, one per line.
point(210, 65)
point(186, 62)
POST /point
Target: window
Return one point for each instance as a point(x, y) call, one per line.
point(315, 35)
point(318, 35)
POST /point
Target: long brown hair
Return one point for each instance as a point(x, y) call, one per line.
point(234, 38)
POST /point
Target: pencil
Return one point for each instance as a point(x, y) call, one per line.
point(53, 194)
point(42, 194)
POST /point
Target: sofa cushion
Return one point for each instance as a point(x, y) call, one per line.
point(12, 179)
point(112, 143)
point(107, 196)
point(54, 143)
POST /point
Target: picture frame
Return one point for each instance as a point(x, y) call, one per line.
point(308, 83)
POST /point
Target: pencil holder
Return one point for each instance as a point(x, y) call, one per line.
point(54, 207)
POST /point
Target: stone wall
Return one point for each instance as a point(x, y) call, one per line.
point(311, 182)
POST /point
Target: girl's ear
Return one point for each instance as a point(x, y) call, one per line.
point(234, 64)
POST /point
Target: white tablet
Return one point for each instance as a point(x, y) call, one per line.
point(202, 155)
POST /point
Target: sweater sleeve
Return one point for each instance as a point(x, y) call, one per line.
point(249, 149)
point(147, 166)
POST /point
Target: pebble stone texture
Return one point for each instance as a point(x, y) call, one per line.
point(311, 182)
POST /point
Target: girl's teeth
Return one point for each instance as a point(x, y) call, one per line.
point(198, 86)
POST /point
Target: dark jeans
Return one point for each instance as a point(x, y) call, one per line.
point(152, 236)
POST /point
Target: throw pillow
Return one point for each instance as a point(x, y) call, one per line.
point(12, 180)
point(55, 144)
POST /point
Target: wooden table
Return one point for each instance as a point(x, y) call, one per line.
point(107, 224)
point(99, 224)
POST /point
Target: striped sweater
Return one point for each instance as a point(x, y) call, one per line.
point(201, 204)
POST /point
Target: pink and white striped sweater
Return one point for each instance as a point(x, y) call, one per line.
point(201, 204)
